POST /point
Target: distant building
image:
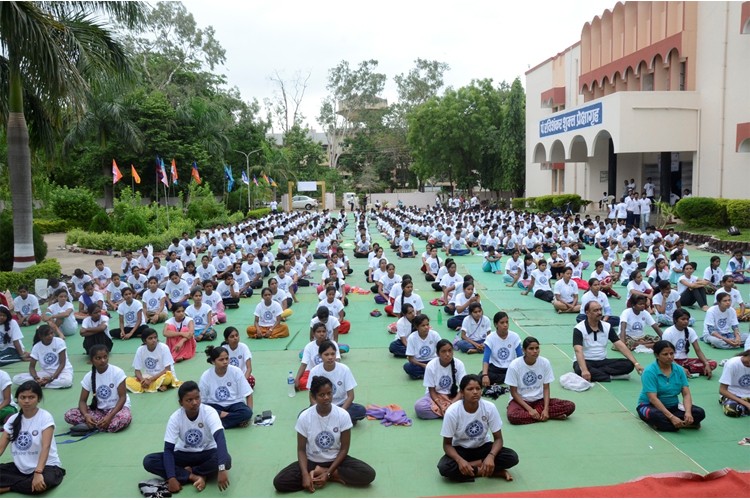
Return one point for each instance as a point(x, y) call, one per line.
point(652, 89)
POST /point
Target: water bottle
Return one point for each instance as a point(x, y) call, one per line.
point(440, 315)
point(290, 384)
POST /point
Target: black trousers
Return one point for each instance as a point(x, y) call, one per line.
point(496, 374)
point(605, 369)
point(100, 338)
point(203, 463)
point(11, 477)
point(353, 472)
point(448, 467)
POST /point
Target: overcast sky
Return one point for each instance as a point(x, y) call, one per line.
point(480, 39)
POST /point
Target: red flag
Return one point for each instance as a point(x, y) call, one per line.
point(136, 177)
point(116, 174)
point(195, 173)
point(174, 172)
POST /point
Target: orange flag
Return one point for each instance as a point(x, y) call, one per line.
point(174, 172)
point(116, 174)
point(194, 173)
point(136, 177)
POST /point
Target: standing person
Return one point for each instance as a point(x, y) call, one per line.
point(733, 386)
point(469, 450)
point(226, 390)
point(441, 379)
point(109, 410)
point(36, 466)
point(153, 365)
point(528, 378)
point(663, 382)
point(323, 439)
point(500, 349)
point(54, 370)
point(11, 339)
point(195, 447)
point(590, 339)
point(341, 377)
point(682, 337)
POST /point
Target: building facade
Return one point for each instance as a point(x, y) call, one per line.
point(652, 89)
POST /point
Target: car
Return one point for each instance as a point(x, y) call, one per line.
point(302, 201)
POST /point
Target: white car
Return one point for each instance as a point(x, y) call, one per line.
point(302, 201)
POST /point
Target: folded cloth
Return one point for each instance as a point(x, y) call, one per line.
point(495, 391)
point(388, 415)
point(360, 291)
point(154, 488)
point(437, 302)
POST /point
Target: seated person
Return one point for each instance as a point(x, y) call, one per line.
point(734, 391)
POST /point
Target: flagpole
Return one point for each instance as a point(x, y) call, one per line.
point(166, 204)
point(157, 196)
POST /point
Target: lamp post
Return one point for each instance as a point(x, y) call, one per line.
point(247, 171)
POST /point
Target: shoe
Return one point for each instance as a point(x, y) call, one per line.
point(80, 430)
point(376, 313)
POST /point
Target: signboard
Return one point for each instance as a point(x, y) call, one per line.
point(307, 186)
point(587, 116)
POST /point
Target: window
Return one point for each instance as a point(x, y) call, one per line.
point(647, 81)
point(682, 75)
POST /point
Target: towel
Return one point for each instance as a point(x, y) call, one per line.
point(388, 415)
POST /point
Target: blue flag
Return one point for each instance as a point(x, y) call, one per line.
point(230, 179)
point(245, 180)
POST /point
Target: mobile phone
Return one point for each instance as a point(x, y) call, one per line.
point(266, 415)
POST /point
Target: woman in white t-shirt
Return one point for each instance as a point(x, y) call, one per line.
point(60, 315)
point(109, 410)
point(153, 365)
point(441, 378)
point(323, 439)
point(733, 387)
point(721, 328)
point(474, 330)
point(539, 283)
point(50, 366)
point(529, 378)
point(225, 389)
point(11, 339)
point(195, 444)
point(469, 449)
point(239, 354)
point(566, 294)
point(36, 466)
point(203, 317)
point(341, 377)
point(179, 330)
point(268, 323)
point(683, 337)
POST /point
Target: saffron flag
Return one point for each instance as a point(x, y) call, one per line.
point(136, 177)
point(230, 178)
point(195, 173)
point(255, 180)
point(266, 178)
point(245, 180)
point(163, 173)
point(273, 183)
point(116, 174)
point(174, 172)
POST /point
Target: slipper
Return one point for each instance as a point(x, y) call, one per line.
point(376, 313)
point(80, 430)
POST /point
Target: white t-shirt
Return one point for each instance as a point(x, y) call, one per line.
point(441, 378)
point(403, 327)
point(680, 342)
point(151, 299)
point(341, 377)
point(414, 299)
point(530, 379)
point(89, 323)
point(267, 314)
point(671, 302)
point(152, 362)
point(471, 430)
point(541, 280)
point(721, 322)
point(476, 331)
point(137, 284)
point(14, 333)
point(567, 291)
point(323, 434)
point(331, 324)
point(601, 298)
point(238, 357)
point(206, 273)
point(636, 323)
point(106, 387)
point(200, 316)
point(69, 323)
point(212, 300)
point(48, 357)
point(28, 445)
point(737, 377)
point(227, 390)
point(310, 356)
point(115, 292)
point(193, 436)
point(130, 312)
point(423, 350)
point(503, 351)
point(334, 308)
point(27, 306)
point(177, 291)
point(734, 294)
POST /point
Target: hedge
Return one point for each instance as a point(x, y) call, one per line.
point(47, 226)
point(523, 203)
point(258, 213)
point(703, 212)
point(46, 269)
point(122, 242)
point(738, 212)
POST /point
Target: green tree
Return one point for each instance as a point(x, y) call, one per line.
point(51, 50)
point(513, 141)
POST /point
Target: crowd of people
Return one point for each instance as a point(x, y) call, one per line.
point(283, 255)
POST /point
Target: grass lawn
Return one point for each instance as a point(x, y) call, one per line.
point(719, 233)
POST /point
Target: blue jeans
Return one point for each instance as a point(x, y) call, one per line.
point(463, 251)
point(203, 463)
point(414, 371)
point(237, 414)
point(464, 346)
point(398, 349)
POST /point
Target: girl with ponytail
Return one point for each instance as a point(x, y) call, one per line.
point(441, 378)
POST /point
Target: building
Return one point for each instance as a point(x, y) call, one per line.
point(652, 89)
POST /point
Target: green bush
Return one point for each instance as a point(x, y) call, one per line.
point(75, 205)
point(258, 213)
point(518, 203)
point(6, 242)
point(545, 203)
point(702, 212)
point(101, 222)
point(132, 223)
point(203, 206)
point(560, 200)
point(738, 212)
point(122, 242)
point(47, 226)
point(46, 269)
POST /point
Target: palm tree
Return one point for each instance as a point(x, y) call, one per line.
point(50, 51)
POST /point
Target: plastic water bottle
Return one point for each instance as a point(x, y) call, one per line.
point(440, 315)
point(290, 385)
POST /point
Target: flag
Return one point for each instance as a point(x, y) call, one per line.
point(174, 172)
point(162, 172)
point(273, 183)
point(266, 178)
point(255, 180)
point(245, 180)
point(230, 179)
point(136, 177)
point(116, 174)
point(195, 173)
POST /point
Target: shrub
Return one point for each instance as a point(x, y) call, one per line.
point(132, 223)
point(122, 242)
point(560, 200)
point(203, 206)
point(47, 226)
point(738, 212)
point(702, 212)
point(75, 205)
point(518, 203)
point(545, 203)
point(258, 213)
point(6, 242)
point(101, 222)
point(46, 269)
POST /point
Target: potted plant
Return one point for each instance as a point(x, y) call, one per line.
point(666, 212)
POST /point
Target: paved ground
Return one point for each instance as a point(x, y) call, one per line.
point(69, 261)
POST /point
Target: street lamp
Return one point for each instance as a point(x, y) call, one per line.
point(247, 171)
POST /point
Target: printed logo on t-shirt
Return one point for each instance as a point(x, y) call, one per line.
point(503, 353)
point(222, 393)
point(317, 359)
point(152, 302)
point(637, 326)
point(23, 441)
point(176, 293)
point(49, 359)
point(325, 440)
point(25, 310)
point(130, 317)
point(424, 351)
point(150, 363)
point(680, 345)
point(529, 378)
point(198, 320)
point(267, 315)
point(234, 362)
point(445, 382)
point(103, 392)
point(722, 323)
point(474, 429)
point(193, 438)
point(744, 381)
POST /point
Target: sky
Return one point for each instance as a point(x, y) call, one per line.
point(477, 39)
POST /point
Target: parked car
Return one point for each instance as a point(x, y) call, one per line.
point(302, 201)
